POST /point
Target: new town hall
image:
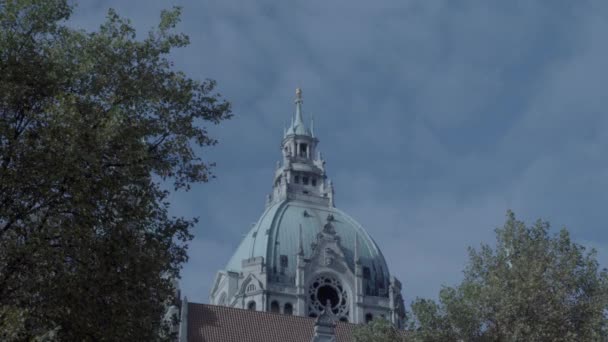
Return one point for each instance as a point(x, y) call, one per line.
point(304, 257)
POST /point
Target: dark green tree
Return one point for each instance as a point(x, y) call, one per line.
point(532, 286)
point(379, 330)
point(92, 125)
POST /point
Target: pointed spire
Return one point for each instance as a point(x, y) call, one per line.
point(300, 243)
point(298, 101)
point(312, 125)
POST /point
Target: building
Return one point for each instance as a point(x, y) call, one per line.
point(304, 256)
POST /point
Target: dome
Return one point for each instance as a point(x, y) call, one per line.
point(304, 256)
point(275, 237)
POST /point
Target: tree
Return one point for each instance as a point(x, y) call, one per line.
point(533, 286)
point(378, 330)
point(92, 127)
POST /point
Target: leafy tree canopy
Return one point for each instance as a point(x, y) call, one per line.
point(91, 125)
point(533, 286)
point(378, 330)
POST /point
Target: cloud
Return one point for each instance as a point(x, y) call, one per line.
point(435, 117)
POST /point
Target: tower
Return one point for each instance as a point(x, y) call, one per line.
point(304, 254)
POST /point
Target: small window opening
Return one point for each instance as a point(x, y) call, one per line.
point(250, 288)
point(305, 180)
point(288, 310)
point(274, 306)
point(284, 261)
point(303, 149)
point(314, 182)
point(366, 273)
point(368, 317)
point(251, 306)
point(296, 179)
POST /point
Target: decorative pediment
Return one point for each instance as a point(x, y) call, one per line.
point(251, 284)
point(326, 250)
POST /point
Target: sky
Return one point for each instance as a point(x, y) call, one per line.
point(435, 118)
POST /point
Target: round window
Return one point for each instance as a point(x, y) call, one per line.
point(326, 291)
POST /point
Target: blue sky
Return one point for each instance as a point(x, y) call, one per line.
point(435, 117)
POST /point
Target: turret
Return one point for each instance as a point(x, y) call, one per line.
point(302, 174)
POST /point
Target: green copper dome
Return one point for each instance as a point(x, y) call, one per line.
point(305, 256)
point(275, 237)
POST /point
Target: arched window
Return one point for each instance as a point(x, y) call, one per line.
point(288, 309)
point(250, 287)
point(274, 307)
point(251, 306)
point(368, 317)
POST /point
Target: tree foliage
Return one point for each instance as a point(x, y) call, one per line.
point(378, 330)
point(91, 125)
point(533, 286)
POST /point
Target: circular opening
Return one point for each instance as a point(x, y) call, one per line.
point(325, 293)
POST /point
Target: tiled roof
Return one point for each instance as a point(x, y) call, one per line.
point(212, 323)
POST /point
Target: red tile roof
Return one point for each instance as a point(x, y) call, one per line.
point(211, 323)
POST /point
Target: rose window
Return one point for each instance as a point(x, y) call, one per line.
point(324, 291)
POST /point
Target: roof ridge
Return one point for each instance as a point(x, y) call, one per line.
point(268, 313)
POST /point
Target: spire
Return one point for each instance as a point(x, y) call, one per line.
point(312, 125)
point(297, 123)
point(300, 243)
point(298, 101)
